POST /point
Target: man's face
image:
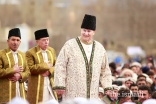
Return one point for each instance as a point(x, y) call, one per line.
point(128, 83)
point(87, 35)
point(141, 83)
point(134, 69)
point(108, 93)
point(152, 77)
point(127, 74)
point(143, 95)
point(127, 99)
point(134, 89)
point(101, 95)
point(43, 43)
point(13, 43)
point(115, 94)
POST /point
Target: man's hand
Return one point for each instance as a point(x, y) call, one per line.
point(49, 64)
point(60, 92)
point(17, 68)
point(45, 74)
point(15, 78)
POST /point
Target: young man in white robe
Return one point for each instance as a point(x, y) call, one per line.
point(81, 64)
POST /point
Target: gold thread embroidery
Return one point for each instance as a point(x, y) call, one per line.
point(10, 84)
point(39, 78)
point(21, 58)
point(7, 54)
point(23, 91)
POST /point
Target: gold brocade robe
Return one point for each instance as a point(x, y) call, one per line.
point(37, 66)
point(8, 88)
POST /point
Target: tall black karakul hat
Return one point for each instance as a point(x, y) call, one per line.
point(14, 32)
point(41, 34)
point(89, 22)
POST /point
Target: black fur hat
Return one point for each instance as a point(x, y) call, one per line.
point(41, 34)
point(89, 22)
point(14, 32)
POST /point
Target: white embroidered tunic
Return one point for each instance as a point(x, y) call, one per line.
point(17, 82)
point(79, 76)
point(47, 90)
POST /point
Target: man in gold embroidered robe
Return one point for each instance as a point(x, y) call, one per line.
point(81, 64)
point(13, 68)
point(41, 60)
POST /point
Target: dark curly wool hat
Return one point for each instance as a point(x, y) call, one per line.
point(89, 22)
point(14, 32)
point(41, 34)
point(145, 69)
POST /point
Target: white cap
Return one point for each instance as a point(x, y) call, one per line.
point(130, 78)
point(115, 87)
point(149, 101)
point(18, 100)
point(101, 90)
point(145, 75)
point(135, 64)
point(149, 80)
point(120, 79)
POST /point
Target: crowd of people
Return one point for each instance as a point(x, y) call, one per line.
point(132, 82)
point(81, 73)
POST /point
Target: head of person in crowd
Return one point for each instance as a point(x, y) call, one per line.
point(115, 92)
point(144, 93)
point(153, 95)
point(150, 61)
point(124, 95)
point(149, 82)
point(145, 69)
point(129, 81)
point(136, 67)
point(141, 82)
point(101, 92)
point(150, 75)
point(126, 73)
point(14, 39)
point(108, 91)
point(112, 67)
point(141, 76)
point(42, 38)
point(125, 66)
point(134, 88)
point(88, 28)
